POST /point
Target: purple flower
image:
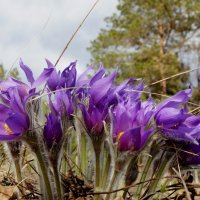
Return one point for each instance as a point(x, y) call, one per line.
point(93, 119)
point(66, 79)
point(52, 130)
point(93, 104)
point(100, 94)
point(190, 154)
point(129, 124)
point(63, 103)
point(41, 79)
point(174, 122)
point(14, 94)
point(13, 121)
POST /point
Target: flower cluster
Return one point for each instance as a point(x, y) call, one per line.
point(100, 101)
point(96, 95)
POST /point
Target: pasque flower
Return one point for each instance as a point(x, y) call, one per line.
point(14, 120)
point(64, 79)
point(190, 154)
point(62, 104)
point(96, 95)
point(52, 130)
point(173, 120)
point(93, 100)
point(99, 94)
point(130, 120)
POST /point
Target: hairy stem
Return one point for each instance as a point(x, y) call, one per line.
point(112, 183)
point(83, 154)
point(106, 171)
point(18, 175)
point(44, 172)
point(57, 182)
point(97, 174)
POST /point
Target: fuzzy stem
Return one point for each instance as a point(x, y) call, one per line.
point(112, 183)
point(97, 174)
point(44, 174)
point(106, 171)
point(83, 153)
point(67, 147)
point(159, 174)
point(18, 174)
point(57, 182)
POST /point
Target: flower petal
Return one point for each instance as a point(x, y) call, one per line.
point(18, 123)
point(43, 77)
point(176, 100)
point(27, 71)
point(169, 117)
point(100, 88)
point(130, 140)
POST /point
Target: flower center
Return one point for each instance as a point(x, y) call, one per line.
point(120, 135)
point(8, 130)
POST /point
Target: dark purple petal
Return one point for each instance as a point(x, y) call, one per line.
point(63, 103)
point(5, 135)
point(50, 64)
point(130, 140)
point(97, 118)
point(83, 78)
point(53, 80)
point(192, 121)
point(101, 72)
point(195, 132)
point(145, 134)
point(28, 72)
point(52, 130)
point(100, 88)
point(116, 91)
point(52, 107)
point(179, 133)
point(16, 103)
point(168, 117)
point(68, 76)
point(43, 77)
point(4, 112)
point(86, 117)
point(176, 100)
point(134, 90)
point(190, 154)
point(18, 123)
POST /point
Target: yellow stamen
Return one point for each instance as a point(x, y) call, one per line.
point(120, 135)
point(8, 130)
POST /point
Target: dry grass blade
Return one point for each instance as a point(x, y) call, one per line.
point(52, 92)
point(76, 31)
point(183, 182)
point(195, 109)
point(173, 76)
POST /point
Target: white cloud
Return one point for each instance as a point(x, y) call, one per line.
point(38, 29)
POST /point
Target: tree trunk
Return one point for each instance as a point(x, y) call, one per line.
point(161, 60)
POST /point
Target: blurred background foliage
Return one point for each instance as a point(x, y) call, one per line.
point(149, 39)
point(13, 72)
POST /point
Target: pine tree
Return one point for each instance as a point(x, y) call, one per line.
point(144, 39)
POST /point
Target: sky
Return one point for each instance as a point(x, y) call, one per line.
point(37, 29)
